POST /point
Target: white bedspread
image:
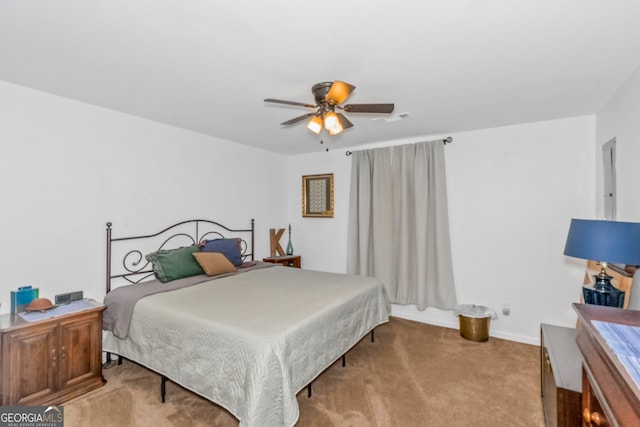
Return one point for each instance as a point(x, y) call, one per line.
point(251, 341)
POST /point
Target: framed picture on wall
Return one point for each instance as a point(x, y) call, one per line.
point(317, 196)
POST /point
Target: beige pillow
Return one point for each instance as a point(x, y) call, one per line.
point(214, 263)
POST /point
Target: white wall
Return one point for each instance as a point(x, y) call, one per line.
point(512, 193)
point(66, 168)
point(619, 118)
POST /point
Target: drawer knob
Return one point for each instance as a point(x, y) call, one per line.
point(593, 418)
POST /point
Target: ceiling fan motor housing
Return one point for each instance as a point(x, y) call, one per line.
point(320, 91)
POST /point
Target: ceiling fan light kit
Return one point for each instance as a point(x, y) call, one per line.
point(315, 124)
point(328, 97)
point(332, 123)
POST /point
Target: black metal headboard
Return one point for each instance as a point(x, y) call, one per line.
point(135, 268)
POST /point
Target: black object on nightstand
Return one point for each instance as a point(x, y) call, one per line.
point(68, 297)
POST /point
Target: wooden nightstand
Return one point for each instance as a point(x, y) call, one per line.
point(561, 376)
point(50, 361)
point(286, 260)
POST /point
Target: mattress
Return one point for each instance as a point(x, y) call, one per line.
point(249, 342)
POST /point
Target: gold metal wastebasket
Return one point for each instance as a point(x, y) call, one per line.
point(474, 328)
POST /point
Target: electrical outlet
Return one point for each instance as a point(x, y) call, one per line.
point(506, 309)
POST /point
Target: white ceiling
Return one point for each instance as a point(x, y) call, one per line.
point(205, 65)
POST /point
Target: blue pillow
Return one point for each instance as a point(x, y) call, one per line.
point(228, 247)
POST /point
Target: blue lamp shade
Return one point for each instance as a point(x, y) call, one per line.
point(607, 242)
point(614, 242)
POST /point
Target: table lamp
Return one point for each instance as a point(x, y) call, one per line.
point(606, 242)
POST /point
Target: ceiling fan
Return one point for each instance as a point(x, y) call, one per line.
point(329, 96)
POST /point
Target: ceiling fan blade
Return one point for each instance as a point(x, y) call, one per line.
point(346, 124)
point(299, 104)
point(297, 119)
point(339, 92)
point(369, 108)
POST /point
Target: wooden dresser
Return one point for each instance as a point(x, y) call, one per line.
point(560, 376)
point(50, 361)
point(610, 397)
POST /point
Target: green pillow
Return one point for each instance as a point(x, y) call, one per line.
point(175, 264)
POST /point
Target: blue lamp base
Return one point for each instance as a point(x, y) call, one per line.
point(603, 295)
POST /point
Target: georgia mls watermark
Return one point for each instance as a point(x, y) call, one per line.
point(31, 416)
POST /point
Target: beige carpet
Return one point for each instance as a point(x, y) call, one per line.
point(412, 375)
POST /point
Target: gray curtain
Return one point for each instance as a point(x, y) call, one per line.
point(399, 223)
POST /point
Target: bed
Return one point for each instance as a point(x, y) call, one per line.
point(248, 340)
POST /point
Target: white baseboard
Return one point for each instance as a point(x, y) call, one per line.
point(429, 321)
point(422, 317)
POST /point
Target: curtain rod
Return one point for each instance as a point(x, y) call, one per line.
point(445, 141)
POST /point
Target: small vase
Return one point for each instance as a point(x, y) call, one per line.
point(289, 245)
